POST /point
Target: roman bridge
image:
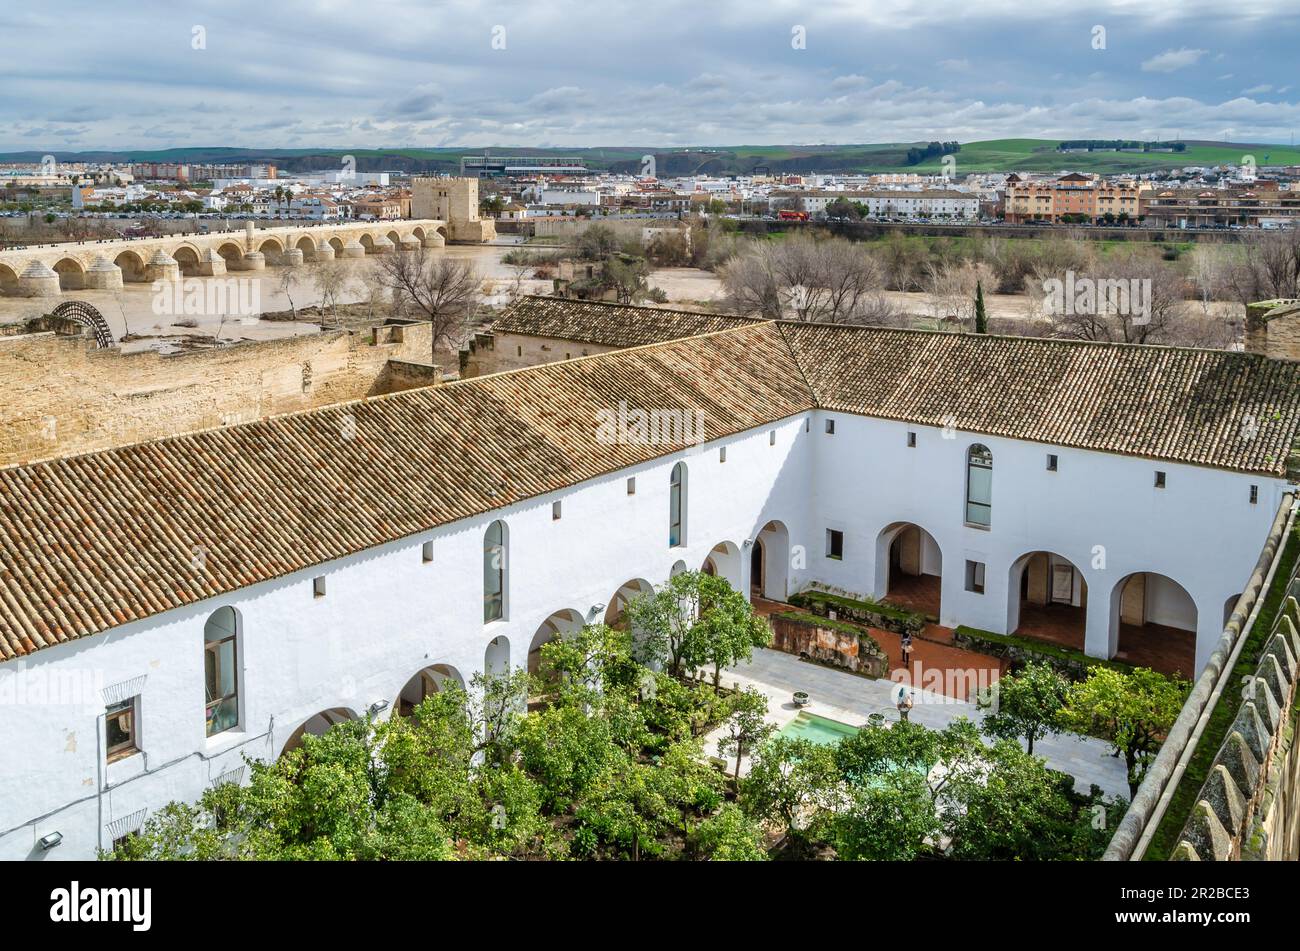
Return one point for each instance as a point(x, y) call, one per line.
point(49, 270)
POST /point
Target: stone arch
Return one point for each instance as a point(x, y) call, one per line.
point(233, 254)
point(1153, 622)
point(395, 237)
point(425, 683)
point(769, 572)
point(626, 593)
point(72, 275)
point(1047, 599)
point(317, 725)
point(307, 245)
point(724, 562)
point(188, 258)
point(272, 248)
point(418, 231)
point(8, 281)
point(367, 241)
point(336, 243)
point(442, 230)
point(909, 567)
point(133, 267)
point(560, 624)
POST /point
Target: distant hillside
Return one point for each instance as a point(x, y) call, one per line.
point(992, 155)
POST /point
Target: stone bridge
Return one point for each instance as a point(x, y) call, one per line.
point(49, 270)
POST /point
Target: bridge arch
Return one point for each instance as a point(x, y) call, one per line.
point(188, 257)
point(232, 253)
point(72, 274)
point(8, 281)
point(133, 269)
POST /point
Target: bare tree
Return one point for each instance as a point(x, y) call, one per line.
point(831, 280)
point(436, 288)
point(1270, 268)
point(330, 279)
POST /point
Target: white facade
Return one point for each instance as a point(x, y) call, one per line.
point(387, 613)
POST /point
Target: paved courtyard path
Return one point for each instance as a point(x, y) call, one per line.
point(850, 699)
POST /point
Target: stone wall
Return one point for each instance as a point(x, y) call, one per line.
point(1273, 329)
point(64, 397)
point(828, 643)
point(496, 353)
point(1249, 807)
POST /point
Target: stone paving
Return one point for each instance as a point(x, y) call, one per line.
point(849, 698)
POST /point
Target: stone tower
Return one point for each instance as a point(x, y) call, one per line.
point(1273, 329)
point(455, 201)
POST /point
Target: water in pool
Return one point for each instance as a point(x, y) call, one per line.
point(809, 726)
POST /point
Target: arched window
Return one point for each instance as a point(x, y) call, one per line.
point(979, 485)
point(677, 507)
point(221, 670)
point(494, 572)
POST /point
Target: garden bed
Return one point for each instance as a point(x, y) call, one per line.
point(838, 644)
point(871, 613)
point(1023, 650)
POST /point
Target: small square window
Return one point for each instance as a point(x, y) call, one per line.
point(318, 586)
point(120, 729)
point(975, 577)
point(426, 552)
point(568, 356)
point(722, 454)
point(555, 510)
point(631, 486)
point(771, 438)
point(834, 544)
point(830, 427)
point(1051, 462)
point(1254, 495)
point(1160, 479)
point(911, 440)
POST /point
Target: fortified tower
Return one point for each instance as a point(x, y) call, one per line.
point(455, 201)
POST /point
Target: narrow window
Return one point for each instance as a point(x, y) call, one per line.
point(834, 544)
point(520, 351)
point(318, 586)
point(1254, 495)
point(555, 511)
point(722, 454)
point(830, 427)
point(426, 552)
point(494, 572)
point(807, 425)
point(677, 507)
point(979, 486)
point(771, 438)
point(975, 577)
point(120, 729)
point(221, 670)
point(1160, 479)
point(911, 440)
point(631, 486)
point(1051, 462)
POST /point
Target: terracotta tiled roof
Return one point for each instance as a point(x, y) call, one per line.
point(95, 541)
point(1215, 408)
point(607, 324)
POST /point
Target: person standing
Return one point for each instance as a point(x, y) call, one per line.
point(906, 647)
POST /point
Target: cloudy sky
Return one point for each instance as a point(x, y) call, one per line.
point(83, 74)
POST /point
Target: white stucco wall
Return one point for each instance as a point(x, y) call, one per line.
point(387, 614)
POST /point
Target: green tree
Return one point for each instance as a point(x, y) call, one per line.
point(747, 725)
point(791, 784)
point(1026, 704)
point(694, 620)
point(729, 836)
point(597, 243)
point(981, 318)
point(1133, 711)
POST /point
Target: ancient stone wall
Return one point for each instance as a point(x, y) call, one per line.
point(62, 396)
point(501, 352)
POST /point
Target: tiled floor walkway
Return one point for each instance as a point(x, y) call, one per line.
point(850, 699)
